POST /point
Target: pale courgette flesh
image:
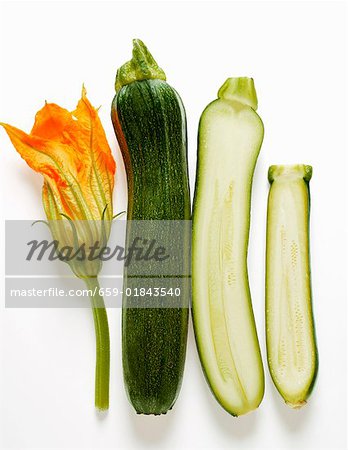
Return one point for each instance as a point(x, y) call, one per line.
point(230, 138)
point(291, 345)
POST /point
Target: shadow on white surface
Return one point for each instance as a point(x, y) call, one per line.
point(238, 427)
point(101, 415)
point(152, 429)
point(294, 419)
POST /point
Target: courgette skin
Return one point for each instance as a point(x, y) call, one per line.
point(290, 333)
point(150, 125)
point(229, 141)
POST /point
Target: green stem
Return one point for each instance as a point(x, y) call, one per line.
point(240, 89)
point(102, 368)
point(142, 66)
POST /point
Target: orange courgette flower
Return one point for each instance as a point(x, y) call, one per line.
point(70, 150)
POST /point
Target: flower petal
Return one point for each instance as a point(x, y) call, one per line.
point(42, 156)
point(72, 153)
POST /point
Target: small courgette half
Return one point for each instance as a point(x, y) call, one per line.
point(229, 142)
point(291, 344)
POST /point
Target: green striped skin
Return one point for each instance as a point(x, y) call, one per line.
point(150, 125)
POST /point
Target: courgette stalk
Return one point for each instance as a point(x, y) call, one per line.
point(150, 125)
point(101, 326)
point(229, 141)
point(291, 344)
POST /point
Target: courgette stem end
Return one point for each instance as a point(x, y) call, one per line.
point(297, 405)
point(142, 66)
point(102, 367)
point(241, 89)
point(290, 171)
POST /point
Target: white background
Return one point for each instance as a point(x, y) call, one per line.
point(295, 52)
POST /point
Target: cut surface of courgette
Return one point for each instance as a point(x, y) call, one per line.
point(291, 345)
point(230, 138)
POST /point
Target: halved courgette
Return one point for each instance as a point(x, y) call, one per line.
point(230, 138)
point(291, 345)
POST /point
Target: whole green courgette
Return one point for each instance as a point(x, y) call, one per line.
point(150, 125)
